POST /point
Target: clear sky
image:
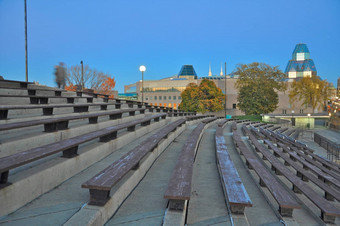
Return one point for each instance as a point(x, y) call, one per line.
point(117, 36)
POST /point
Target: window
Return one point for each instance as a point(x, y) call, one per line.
point(146, 98)
point(155, 97)
point(179, 97)
point(174, 97)
point(234, 106)
point(174, 106)
point(301, 111)
point(164, 97)
point(169, 97)
point(150, 98)
point(160, 97)
point(284, 111)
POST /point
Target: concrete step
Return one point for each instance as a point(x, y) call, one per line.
point(37, 178)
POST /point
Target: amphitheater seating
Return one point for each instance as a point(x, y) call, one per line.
point(179, 187)
point(286, 202)
point(233, 187)
point(328, 211)
point(69, 146)
point(61, 123)
point(15, 84)
point(101, 184)
point(44, 99)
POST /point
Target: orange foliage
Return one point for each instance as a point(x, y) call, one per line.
point(107, 86)
point(71, 87)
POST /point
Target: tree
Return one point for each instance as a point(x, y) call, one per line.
point(190, 98)
point(92, 79)
point(312, 91)
point(202, 98)
point(257, 86)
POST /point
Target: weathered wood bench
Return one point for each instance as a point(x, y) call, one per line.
point(100, 185)
point(330, 192)
point(47, 109)
point(69, 147)
point(179, 187)
point(195, 117)
point(21, 84)
point(61, 123)
point(328, 211)
point(44, 99)
point(234, 190)
point(285, 200)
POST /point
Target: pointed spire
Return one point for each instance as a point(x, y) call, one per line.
point(210, 74)
point(221, 73)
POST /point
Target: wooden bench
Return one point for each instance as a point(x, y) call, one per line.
point(330, 192)
point(47, 109)
point(100, 185)
point(44, 99)
point(234, 190)
point(61, 123)
point(179, 188)
point(21, 84)
point(69, 147)
point(328, 211)
point(285, 200)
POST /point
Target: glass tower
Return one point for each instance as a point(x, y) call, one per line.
point(301, 65)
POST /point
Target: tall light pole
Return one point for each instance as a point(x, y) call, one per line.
point(142, 68)
point(225, 88)
point(26, 53)
point(82, 76)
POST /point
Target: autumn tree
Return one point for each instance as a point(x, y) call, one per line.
point(202, 98)
point(257, 85)
point(92, 79)
point(190, 98)
point(312, 91)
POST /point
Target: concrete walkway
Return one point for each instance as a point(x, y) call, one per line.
point(207, 203)
point(146, 205)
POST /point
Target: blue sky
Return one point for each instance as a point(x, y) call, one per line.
point(116, 37)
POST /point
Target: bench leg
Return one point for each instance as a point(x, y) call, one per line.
point(57, 93)
point(79, 94)
point(286, 163)
point(105, 99)
point(296, 190)
point(47, 111)
point(43, 100)
point(262, 184)
point(23, 85)
point(329, 197)
point(237, 209)
point(146, 123)
point(142, 111)
point(132, 113)
point(99, 197)
point(140, 106)
point(70, 100)
point(115, 116)
point(286, 212)
point(108, 137)
point(70, 153)
point(31, 92)
point(50, 127)
point(77, 109)
point(117, 106)
point(62, 125)
point(176, 204)
point(3, 114)
point(158, 110)
point(103, 107)
point(4, 179)
point(89, 100)
point(150, 109)
point(136, 166)
point(131, 128)
point(93, 120)
point(130, 105)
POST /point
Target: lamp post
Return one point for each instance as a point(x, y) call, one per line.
point(225, 88)
point(142, 68)
point(82, 76)
point(308, 120)
point(26, 52)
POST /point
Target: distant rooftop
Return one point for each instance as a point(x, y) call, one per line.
point(187, 70)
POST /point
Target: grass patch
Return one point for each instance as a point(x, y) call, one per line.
point(256, 118)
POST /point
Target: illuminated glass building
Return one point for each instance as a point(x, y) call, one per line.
point(301, 65)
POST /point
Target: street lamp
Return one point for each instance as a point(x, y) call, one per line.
point(142, 68)
point(308, 120)
point(82, 76)
point(292, 117)
point(225, 89)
